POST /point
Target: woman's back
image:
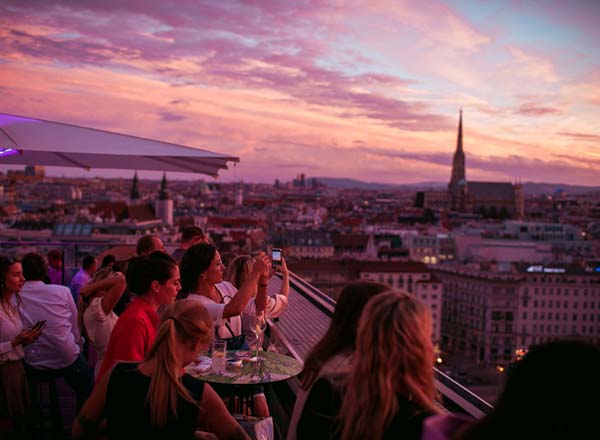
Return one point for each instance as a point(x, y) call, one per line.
point(127, 413)
point(320, 418)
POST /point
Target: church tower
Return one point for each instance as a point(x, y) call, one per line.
point(134, 195)
point(164, 205)
point(458, 181)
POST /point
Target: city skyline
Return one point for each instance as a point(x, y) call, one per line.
point(336, 89)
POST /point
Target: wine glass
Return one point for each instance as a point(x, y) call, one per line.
point(258, 324)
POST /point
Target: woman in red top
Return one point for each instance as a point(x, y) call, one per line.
point(154, 278)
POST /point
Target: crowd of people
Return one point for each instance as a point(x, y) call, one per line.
point(143, 320)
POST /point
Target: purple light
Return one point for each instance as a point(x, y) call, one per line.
point(8, 152)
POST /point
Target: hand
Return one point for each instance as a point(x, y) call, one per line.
point(261, 265)
point(283, 267)
point(27, 336)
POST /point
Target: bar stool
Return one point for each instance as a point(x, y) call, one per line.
point(44, 394)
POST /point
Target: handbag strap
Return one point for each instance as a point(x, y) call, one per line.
point(226, 319)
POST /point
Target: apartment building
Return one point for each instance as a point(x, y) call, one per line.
point(413, 277)
point(491, 311)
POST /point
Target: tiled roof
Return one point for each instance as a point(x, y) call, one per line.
point(109, 209)
point(491, 190)
point(354, 240)
point(140, 213)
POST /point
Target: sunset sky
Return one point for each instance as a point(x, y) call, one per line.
point(363, 89)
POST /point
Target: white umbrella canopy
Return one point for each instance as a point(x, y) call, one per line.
point(29, 141)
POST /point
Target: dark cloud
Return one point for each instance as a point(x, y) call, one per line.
point(532, 109)
point(584, 137)
point(170, 117)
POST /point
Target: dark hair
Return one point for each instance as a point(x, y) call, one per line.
point(5, 263)
point(341, 334)
point(34, 267)
point(145, 244)
point(108, 260)
point(88, 261)
point(191, 232)
point(549, 394)
point(55, 254)
point(147, 268)
point(195, 261)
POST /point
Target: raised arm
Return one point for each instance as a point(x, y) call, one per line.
point(116, 288)
point(214, 414)
point(261, 294)
point(104, 284)
point(237, 305)
point(285, 278)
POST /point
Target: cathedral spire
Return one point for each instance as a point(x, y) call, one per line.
point(458, 163)
point(459, 142)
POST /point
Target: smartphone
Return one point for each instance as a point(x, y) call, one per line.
point(276, 256)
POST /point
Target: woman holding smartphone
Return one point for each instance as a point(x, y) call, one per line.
point(239, 271)
point(202, 280)
point(14, 393)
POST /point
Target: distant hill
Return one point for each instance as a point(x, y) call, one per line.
point(538, 188)
point(343, 183)
point(531, 188)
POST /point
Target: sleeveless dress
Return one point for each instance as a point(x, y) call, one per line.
point(126, 412)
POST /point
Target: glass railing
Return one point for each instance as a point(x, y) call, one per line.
point(455, 397)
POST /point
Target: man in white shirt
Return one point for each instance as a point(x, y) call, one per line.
point(83, 276)
point(58, 349)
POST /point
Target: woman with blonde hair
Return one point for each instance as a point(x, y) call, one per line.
point(390, 389)
point(96, 303)
point(331, 357)
point(238, 272)
point(154, 398)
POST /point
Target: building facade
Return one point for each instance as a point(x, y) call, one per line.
point(415, 278)
point(489, 313)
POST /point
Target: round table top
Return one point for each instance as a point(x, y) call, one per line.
point(273, 368)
